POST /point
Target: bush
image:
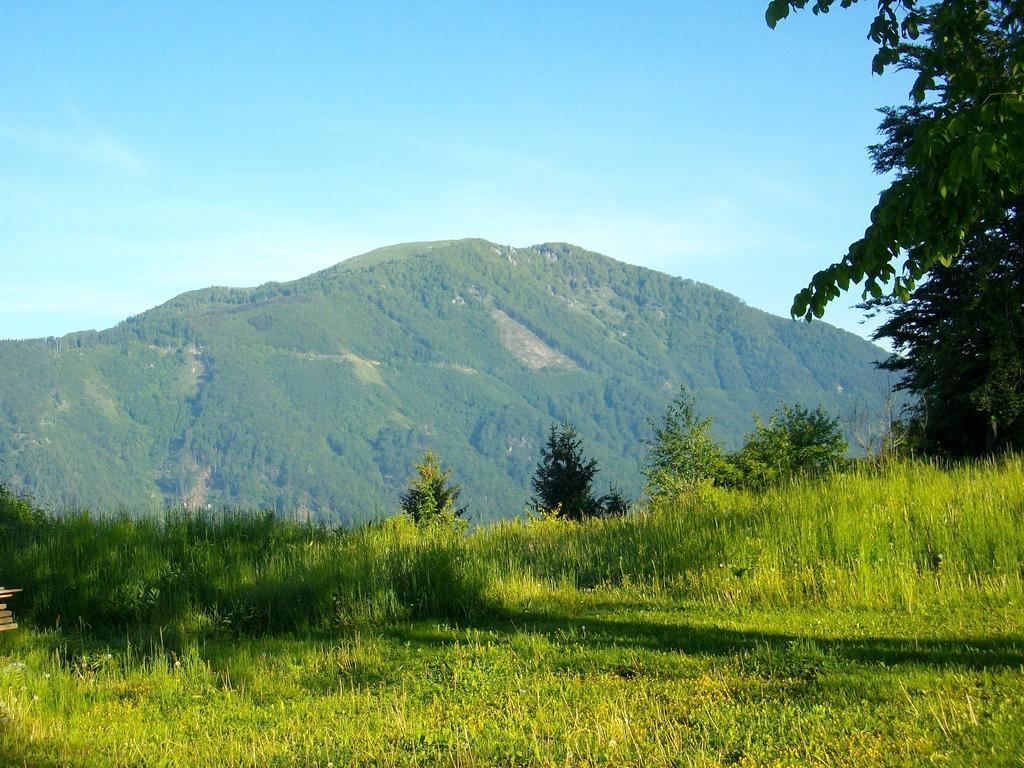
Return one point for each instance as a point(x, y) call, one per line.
point(795, 441)
point(429, 495)
point(683, 456)
point(19, 519)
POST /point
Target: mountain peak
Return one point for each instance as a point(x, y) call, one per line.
point(320, 394)
point(467, 247)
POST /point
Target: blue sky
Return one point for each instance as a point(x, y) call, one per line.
point(147, 149)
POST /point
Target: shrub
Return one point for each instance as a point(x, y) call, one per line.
point(18, 517)
point(795, 441)
point(683, 456)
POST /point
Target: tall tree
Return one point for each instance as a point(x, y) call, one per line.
point(960, 343)
point(963, 155)
point(958, 337)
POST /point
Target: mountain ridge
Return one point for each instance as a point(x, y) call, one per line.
point(318, 393)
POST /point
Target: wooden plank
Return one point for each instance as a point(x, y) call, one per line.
point(7, 617)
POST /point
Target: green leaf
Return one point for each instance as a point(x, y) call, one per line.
point(843, 277)
point(799, 308)
point(776, 11)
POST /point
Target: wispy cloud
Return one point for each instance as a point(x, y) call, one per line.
point(93, 148)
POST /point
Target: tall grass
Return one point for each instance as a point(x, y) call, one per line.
point(875, 540)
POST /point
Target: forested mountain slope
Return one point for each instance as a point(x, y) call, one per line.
point(318, 395)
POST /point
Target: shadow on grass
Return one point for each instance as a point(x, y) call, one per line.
point(601, 629)
point(681, 636)
point(608, 627)
point(17, 748)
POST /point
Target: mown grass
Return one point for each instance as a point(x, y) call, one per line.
point(863, 619)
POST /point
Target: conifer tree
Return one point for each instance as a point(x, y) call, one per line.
point(429, 495)
point(564, 477)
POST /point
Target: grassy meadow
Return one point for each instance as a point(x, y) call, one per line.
point(864, 618)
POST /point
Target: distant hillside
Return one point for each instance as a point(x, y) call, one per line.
point(318, 395)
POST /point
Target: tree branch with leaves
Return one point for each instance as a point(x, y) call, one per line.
point(964, 158)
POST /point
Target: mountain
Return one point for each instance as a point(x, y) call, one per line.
point(316, 396)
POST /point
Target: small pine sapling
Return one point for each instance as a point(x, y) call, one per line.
point(429, 495)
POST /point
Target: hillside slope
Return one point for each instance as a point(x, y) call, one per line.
point(317, 395)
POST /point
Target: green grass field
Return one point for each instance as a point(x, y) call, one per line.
point(862, 619)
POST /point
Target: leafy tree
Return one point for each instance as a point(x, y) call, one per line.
point(564, 479)
point(957, 336)
point(795, 441)
point(429, 495)
point(962, 154)
point(683, 455)
point(960, 344)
